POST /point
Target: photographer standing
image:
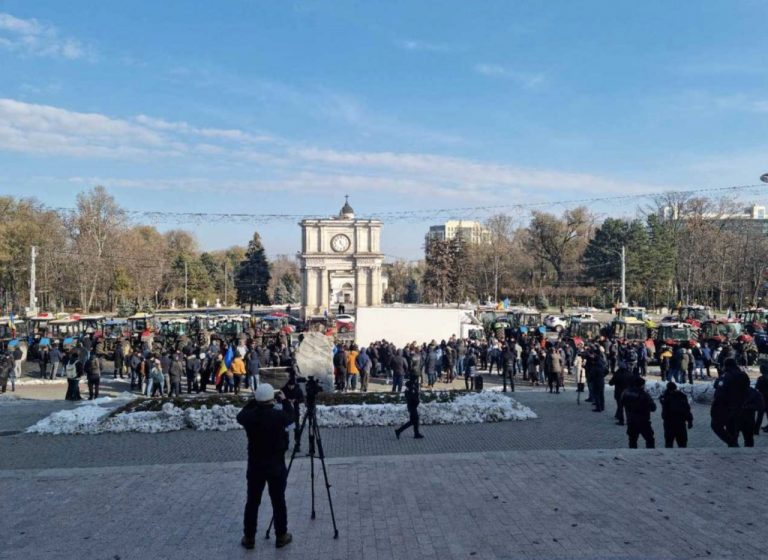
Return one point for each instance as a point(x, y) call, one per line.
point(267, 442)
point(295, 396)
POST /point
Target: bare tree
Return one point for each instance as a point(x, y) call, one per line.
point(559, 241)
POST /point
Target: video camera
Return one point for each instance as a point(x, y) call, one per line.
point(311, 388)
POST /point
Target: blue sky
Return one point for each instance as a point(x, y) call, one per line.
point(284, 107)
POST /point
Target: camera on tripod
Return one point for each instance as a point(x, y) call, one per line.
point(311, 389)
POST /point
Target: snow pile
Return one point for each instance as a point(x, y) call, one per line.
point(38, 381)
point(466, 409)
point(472, 408)
point(698, 392)
point(80, 420)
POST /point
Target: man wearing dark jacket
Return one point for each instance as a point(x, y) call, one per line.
point(176, 371)
point(508, 370)
point(412, 399)
point(267, 443)
point(677, 417)
point(92, 369)
point(762, 387)
point(638, 405)
point(295, 396)
point(340, 367)
point(620, 382)
point(399, 367)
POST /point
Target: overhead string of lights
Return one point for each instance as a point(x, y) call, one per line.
point(416, 215)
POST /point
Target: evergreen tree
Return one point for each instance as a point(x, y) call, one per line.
point(412, 292)
point(437, 271)
point(252, 277)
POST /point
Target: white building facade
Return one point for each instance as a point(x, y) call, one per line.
point(470, 231)
point(340, 263)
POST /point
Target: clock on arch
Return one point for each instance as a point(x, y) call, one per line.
point(340, 243)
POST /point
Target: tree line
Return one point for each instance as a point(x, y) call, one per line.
point(94, 259)
point(679, 249)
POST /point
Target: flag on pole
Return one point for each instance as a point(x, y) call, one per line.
point(229, 356)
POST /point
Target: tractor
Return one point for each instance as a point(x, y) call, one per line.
point(717, 332)
point(672, 334)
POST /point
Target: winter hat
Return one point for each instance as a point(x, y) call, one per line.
point(264, 393)
point(671, 386)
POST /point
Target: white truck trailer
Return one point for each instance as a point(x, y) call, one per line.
point(402, 325)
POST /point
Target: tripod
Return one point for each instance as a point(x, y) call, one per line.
point(310, 421)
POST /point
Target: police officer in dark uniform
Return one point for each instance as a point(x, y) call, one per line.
point(639, 405)
point(412, 399)
point(676, 414)
point(267, 442)
point(295, 396)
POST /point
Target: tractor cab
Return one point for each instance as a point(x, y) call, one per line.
point(175, 327)
point(629, 312)
point(141, 327)
point(694, 314)
point(91, 326)
point(528, 321)
point(65, 332)
point(583, 331)
point(629, 329)
point(754, 320)
point(673, 334)
point(13, 333)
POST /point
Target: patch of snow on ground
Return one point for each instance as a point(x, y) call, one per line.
point(466, 409)
point(80, 420)
point(698, 392)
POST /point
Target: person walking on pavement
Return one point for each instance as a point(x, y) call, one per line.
point(17, 357)
point(55, 357)
point(92, 369)
point(619, 381)
point(676, 415)
point(412, 400)
point(639, 405)
point(762, 386)
point(265, 427)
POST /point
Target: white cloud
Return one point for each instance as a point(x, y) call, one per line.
point(525, 79)
point(222, 153)
point(469, 175)
point(185, 128)
point(418, 45)
point(33, 38)
point(43, 129)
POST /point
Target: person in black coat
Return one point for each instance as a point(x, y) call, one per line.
point(267, 443)
point(508, 369)
point(412, 400)
point(295, 396)
point(596, 369)
point(619, 381)
point(677, 416)
point(638, 405)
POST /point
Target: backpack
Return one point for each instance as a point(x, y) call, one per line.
point(71, 370)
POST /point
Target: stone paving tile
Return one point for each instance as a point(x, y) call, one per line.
point(517, 504)
point(562, 424)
